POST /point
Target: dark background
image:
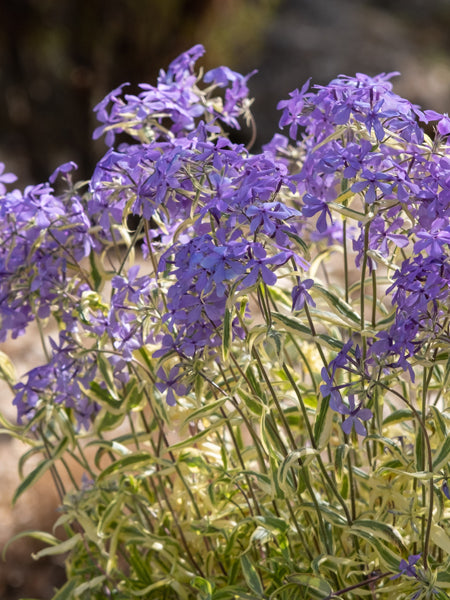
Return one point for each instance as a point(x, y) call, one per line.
point(58, 58)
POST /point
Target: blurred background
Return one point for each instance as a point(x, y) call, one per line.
point(58, 58)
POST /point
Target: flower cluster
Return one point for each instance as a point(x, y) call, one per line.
point(364, 148)
point(187, 277)
point(43, 237)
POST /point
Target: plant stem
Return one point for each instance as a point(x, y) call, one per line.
point(327, 477)
point(426, 543)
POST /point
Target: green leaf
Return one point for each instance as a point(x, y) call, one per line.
point(110, 514)
point(253, 403)
point(254, 382)
point(440, 538)
point(251, 576)
point(67, 591)
point(261, 535)
point(327, 317)
point(274, 474)
point(316, 587)
point(340, 458)
point(60, 548)
point(203, 586)
point(329, 514)
point(99, 393)
point(293, 324)
point(385, 554)
point(443, 579)
point(107, 373)
point(227, 335)
point(89, 585)
point(381, 530)
point(16, 432)
point(104, 446)
point(189, 442)
point(42, 536)
point(420, 475)
point(232, 593)
point(273, 524)
point(441, 425)
point(398, 416)
point(340, 305)
point(419, 452)
point(323, 423)
point(300, 242)
point(443, 456)
point(296, 459)
point(60, 448)
point(270, 438)
point(150, 588)
point(205, 411)
point(97, 271)
point(127, 463)
point(32, 477)
point(7, 370)
point(108, 420)
point(385, 442)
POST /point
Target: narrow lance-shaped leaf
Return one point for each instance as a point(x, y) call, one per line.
point(251, 576)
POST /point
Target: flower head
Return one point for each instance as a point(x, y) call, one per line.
point(356, 415)
point(408, 567)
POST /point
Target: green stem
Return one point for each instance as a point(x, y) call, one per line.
point(374, 298)
point(258, 446)
point(426, 543)
point(352, 484)
point(314, 333)
point(324, 472)
point(362, 290)
point(344, 243)
point(280, 411)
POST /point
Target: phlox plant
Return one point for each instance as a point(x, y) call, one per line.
point(246, 386)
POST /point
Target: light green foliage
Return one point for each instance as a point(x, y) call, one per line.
point(244, 490)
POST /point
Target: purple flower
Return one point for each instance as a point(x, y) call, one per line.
point(133, 287)
point(300, 294)
point(357, 414)
point(407, 567)
point(5, 178)
point(292, 110)
point(371, 181)
point(235, 94)
point(434, 239)
point(265, 216)
point(379, 236)
point(312, 206)
point(224, 265)
point(331, 391)
point(443, 120)
point(370, 116)
point(64, 169)
point(394, 346)
point(108, 118)
point(182, 66)
point(171, 384)
point(258, 265)
point(222, 76)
